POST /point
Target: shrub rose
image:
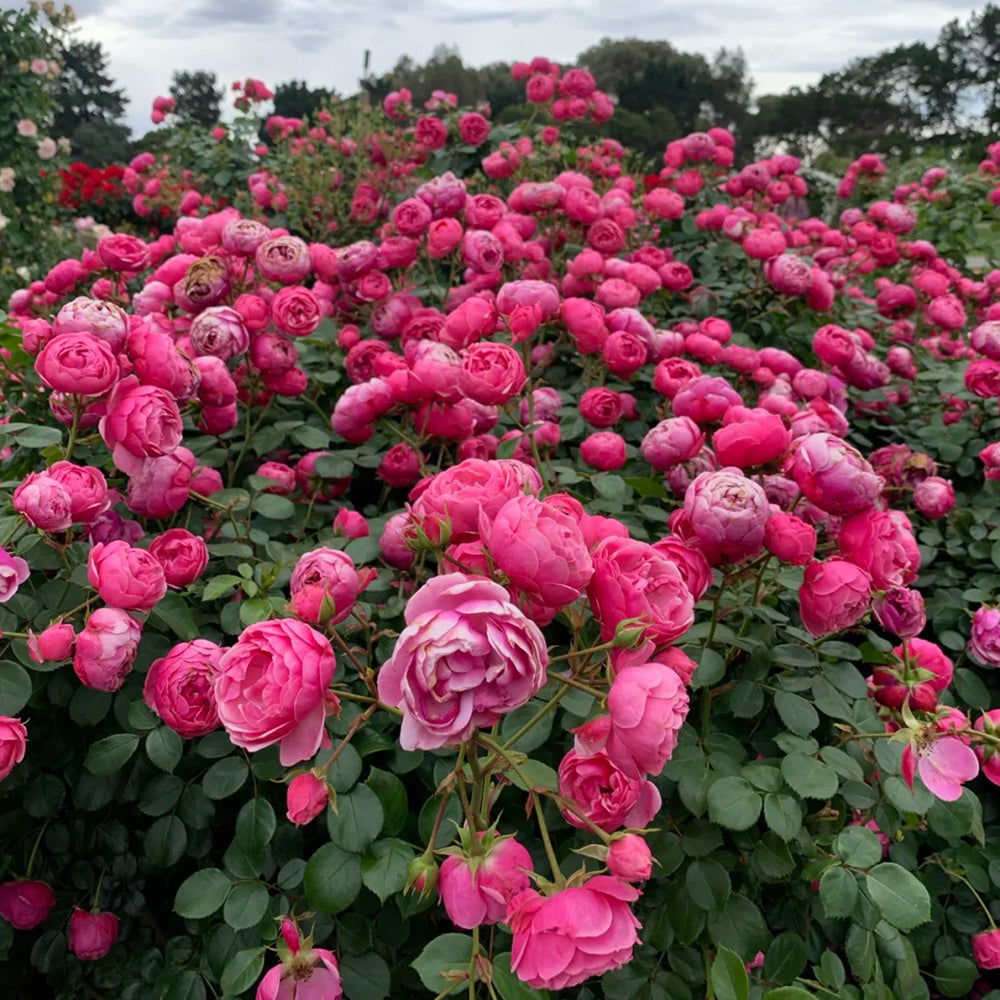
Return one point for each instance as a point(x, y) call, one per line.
point(180, 687)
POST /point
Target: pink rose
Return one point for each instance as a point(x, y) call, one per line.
point(901, 611)
point(882, 546)
point(125, 577)
point(103, 320)
point(671, 442)
point(581, 931)
point(482, 251)
point(86, 486)
point(604, 450)
point(121, 252)
point(182, 555)
point(986, 949)
point(44, 503)
point(77, 363)
point(749, 438)
point(455, 496)
point(334, 573)
point(833, 475)
point(540, 549)
point(13, 740)
point(219, 332)
point(52, 645)
point(629, 858)
point(283, 258)
point(24, 904)
point(13, 572)
point(728, 512)
point(475, 891)
point(272, 687)
point(604, 793)
point(296, 311)
point(159, 487)
point(106, 648)
point(790, 539)
point(934, 497)
point(601, 407)
point(143, 421)
point(466, 656)
point(491, 373)
point(632, 580)
point(307, 796)
point(307, 974)
point(180, 687)
point(91, 933)
point(705, 399)
point(350, 524)
point(984, 642)
point(834, 595)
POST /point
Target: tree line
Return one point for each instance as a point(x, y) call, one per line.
point(905, 100)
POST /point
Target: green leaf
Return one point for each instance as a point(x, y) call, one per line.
point(901, 897)
point(838, 891)
point(740, 926)
point(708, 884)
point(333, 879)
point(174, 612)
point(793, 655)
point(166, 841)
point(533, 774)
point(357, 821)
point(241, 971)
point(733, 803)
point(952, 820)
point(443, 961)
point(220, 585)
point(202, 893)
point(161, 794)
point(15, 687)
point(274, 507)
point(711, 669)
point(246, 905)
point(110, 755)
point(796, 713)
point(365, 977)
point(783, 814)
point(391, 793)
point(785, 958)
point(255, 826)
point(36, 437)
point(385, 866)
point(858, 847)
point(955, 976)
point(729, 976)
point(225, 777)
point(508, 986)
point(164, 748)
point(811, 778)
point(860, 951)
point(788, 993)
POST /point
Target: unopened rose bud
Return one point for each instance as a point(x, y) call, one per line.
point(423, 875)
point(629, 858)
point(630, 633)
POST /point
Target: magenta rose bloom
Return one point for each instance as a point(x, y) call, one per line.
point(834, 595)
point(728, 512)
point(984, 642)
point(604, 450)
point(476, 890)
point(491, 373)
point(13, 572)
point(986, 949)
point(219, 332)
point(749, 438)
point(901, 611)
point(272, 686)
point(125, 577)
point(44, 502)
point(934, 497)
point(182, 555)
point(283, 258)
point(582, 931)
point(880, 544)
point(86, 486)
point(833, 475)
point(540, 549)
point(334, 573)
point(77, 363)
point(106, 648)
point(306, 798)
point(629, 858)
point(143, 421)
point(632, 580)
point(790, 538)
point(456, 496)
point(180, 687)
point(13, 740)
point(466, 657)
point(296, 311)
point(25, 904)
point(160, 486)
point(605, 794)
point(705, 399)
point(91, 933)
point(672, 441)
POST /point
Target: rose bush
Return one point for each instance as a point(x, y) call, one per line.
point(459, 564)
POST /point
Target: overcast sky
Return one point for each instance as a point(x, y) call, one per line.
point(786, 42)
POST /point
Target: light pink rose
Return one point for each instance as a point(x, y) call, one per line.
point(106, 648)
point(579, 932)
point(103, 320)
point(632, 580)
point(604, 793)
point(466, 657)
point(125, 577)
point(984, 642)
point(272, 688)
point(833, 475)
point(180, 687)
point(44, 503)
point(944, 766)
point(13, 572)
point(475, 891)
point(728, 512)
point(308, 974)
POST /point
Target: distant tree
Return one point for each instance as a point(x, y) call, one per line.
point(88, 107)
point(198, 97)
point(295, 99)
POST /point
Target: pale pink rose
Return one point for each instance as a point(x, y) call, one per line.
point(219, 332)
point(944, 765)
point(834, 595)
point(106, 648)
point(629, 858)
point(24, 904)
point(540, 549)
point(27, 128)
point(307, 797)
point(604, 793)
point(333, 571)
point(475, 891)
point(272, 688)
point(103, 320)
point(578, 932)
point(13, 740)
point(728, 512)
point(180, 687)
point(308, 974)
point(91, 933)
point(44, 503)
point(125, 577)
point(672, 441)
point(77, 363)
point(182, 555)
point(13, 572)
point(633, 581)
point(466, 657)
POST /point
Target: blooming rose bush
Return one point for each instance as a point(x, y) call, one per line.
point(502, 573)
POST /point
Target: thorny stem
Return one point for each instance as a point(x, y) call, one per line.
point(349, 735)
